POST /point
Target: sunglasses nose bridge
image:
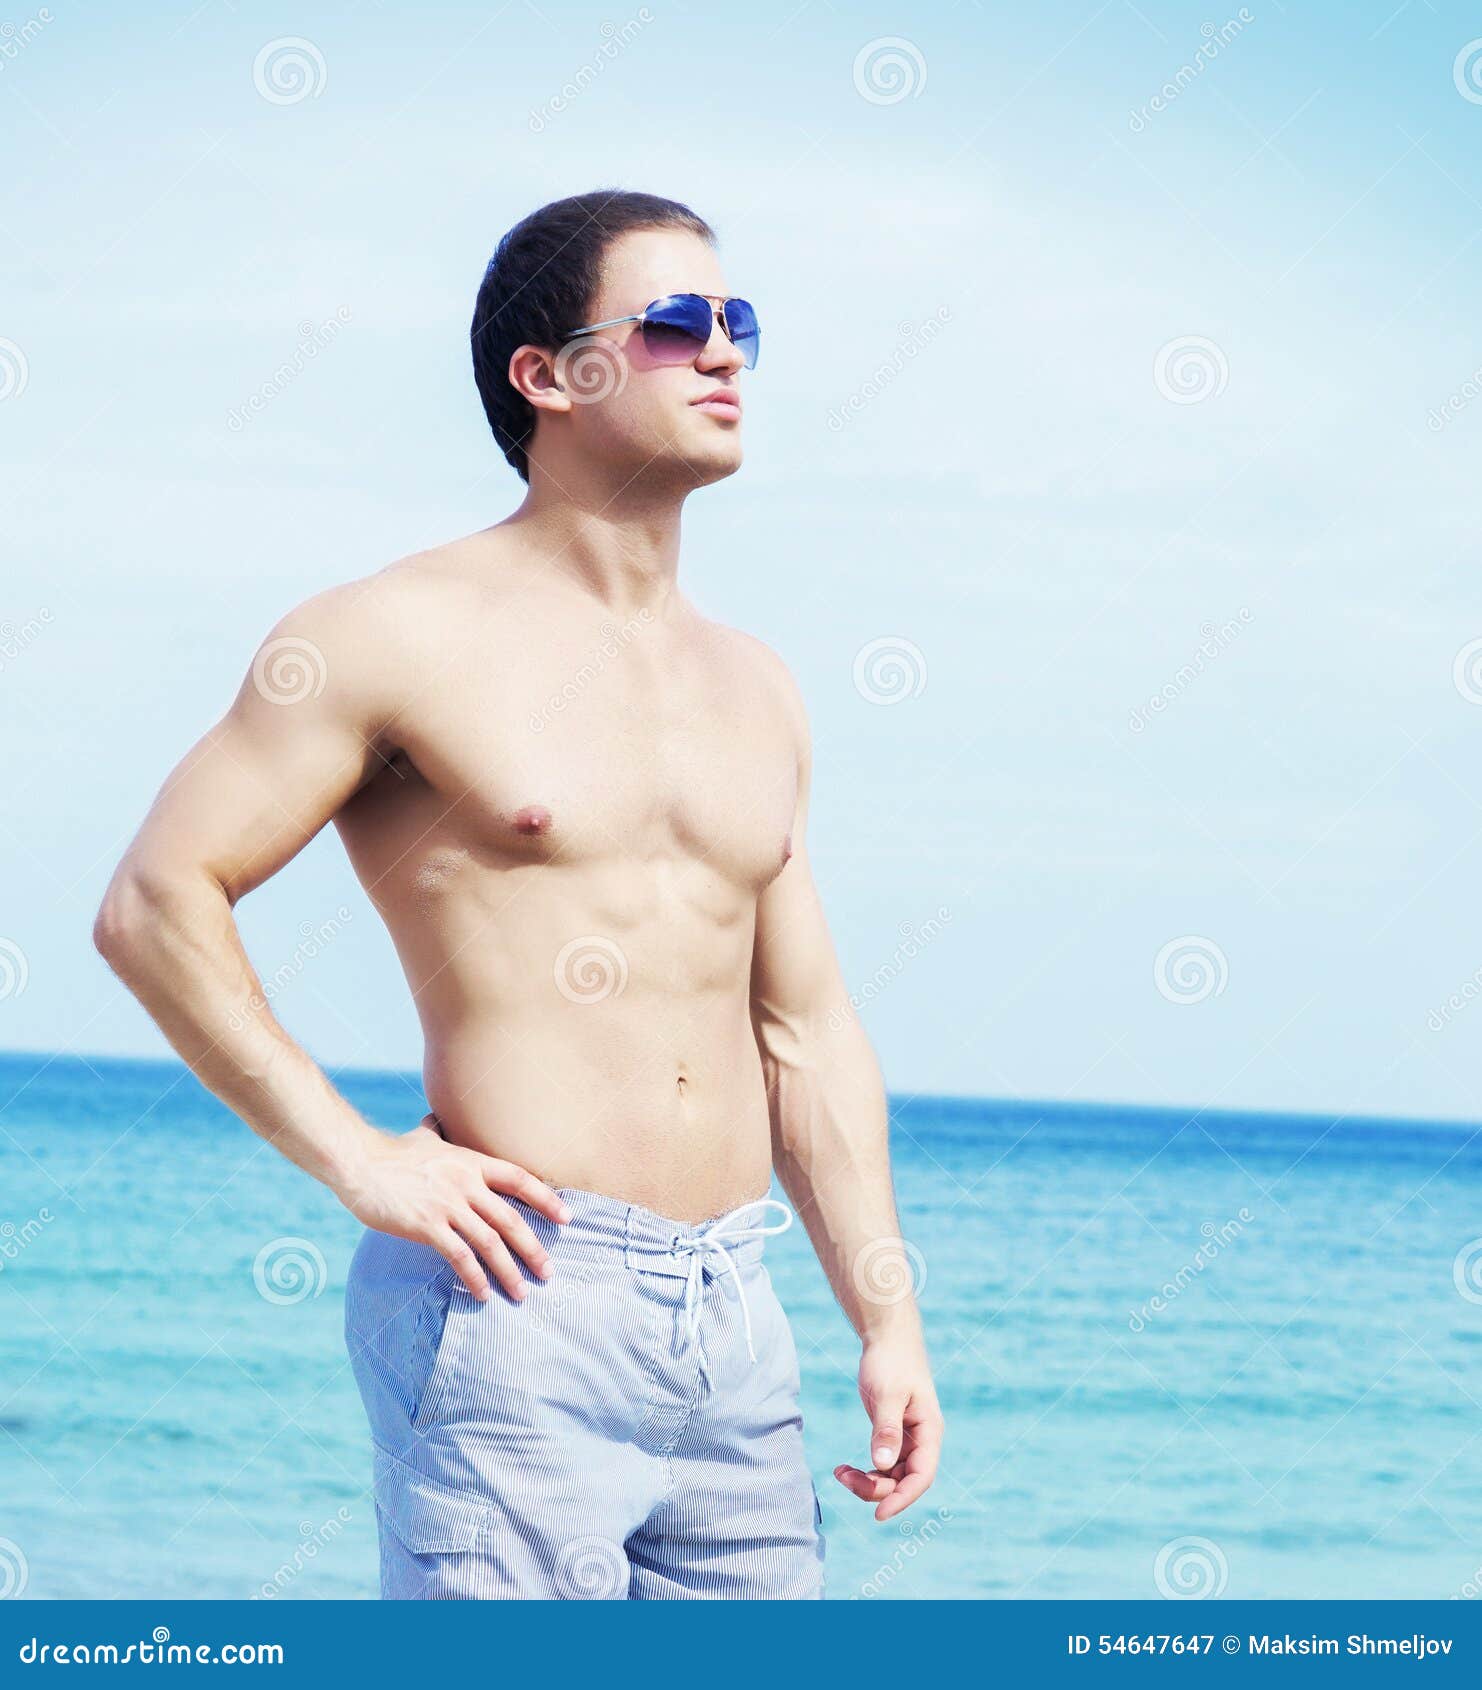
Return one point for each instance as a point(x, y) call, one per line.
point(703, 317)
point(733, 353)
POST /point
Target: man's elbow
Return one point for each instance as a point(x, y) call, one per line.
point(132, 908)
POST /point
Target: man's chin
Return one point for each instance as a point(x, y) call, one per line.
point(715, 463)
point(688, 463)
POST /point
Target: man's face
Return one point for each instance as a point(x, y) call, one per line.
point(650, 417)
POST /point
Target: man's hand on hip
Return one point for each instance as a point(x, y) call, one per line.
point(420, 1187)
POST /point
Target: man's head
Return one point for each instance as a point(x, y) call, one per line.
point(604, 397)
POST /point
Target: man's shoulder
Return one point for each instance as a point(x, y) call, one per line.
point(763, 666)
point(392, 602)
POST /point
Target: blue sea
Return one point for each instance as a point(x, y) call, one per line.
point(1180, 1353)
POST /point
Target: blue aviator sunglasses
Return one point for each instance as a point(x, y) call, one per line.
point(676, 328)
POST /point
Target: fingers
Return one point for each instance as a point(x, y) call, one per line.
point(491, 1247)
point(905, 1493)
point(515, 1231)
point(868, 1487)
point(519, 1182)
point(918, 1465)
point(887, 1417)
point(464, 1263)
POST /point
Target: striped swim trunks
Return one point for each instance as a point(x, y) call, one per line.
point(630, 1430)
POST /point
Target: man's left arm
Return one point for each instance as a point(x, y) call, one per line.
point(831, 1150)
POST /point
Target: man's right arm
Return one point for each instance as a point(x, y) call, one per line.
point(313, 721)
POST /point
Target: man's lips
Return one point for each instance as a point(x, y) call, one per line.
point(720, 398)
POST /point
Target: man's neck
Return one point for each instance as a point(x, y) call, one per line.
point(621, 549)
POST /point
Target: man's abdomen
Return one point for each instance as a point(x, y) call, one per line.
point(660, 1103)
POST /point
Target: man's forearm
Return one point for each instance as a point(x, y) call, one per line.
point(830, 1146)
point(173, 942)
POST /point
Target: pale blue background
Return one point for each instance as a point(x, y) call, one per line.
point(1020, 502)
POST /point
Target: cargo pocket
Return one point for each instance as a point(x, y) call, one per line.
point(427, 1518)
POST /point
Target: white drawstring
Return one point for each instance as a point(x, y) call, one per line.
point(709, 1239)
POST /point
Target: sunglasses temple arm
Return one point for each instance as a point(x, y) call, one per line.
point(611, 323)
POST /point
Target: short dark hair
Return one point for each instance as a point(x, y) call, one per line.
point(539, 286)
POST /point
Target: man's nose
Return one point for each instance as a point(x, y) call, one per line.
point(720, 354)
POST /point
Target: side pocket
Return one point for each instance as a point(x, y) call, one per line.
point(438, 1326)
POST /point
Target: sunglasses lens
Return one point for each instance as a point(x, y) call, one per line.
point(742, 327)
point(675, 329)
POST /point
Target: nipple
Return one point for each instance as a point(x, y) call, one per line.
point(533, 819)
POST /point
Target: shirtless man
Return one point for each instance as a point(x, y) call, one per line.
point(580, 809)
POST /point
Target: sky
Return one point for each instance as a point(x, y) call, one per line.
point(1110, 486)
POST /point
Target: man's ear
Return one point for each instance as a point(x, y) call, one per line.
point(532, 374)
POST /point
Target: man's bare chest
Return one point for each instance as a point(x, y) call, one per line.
point(545, 758)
